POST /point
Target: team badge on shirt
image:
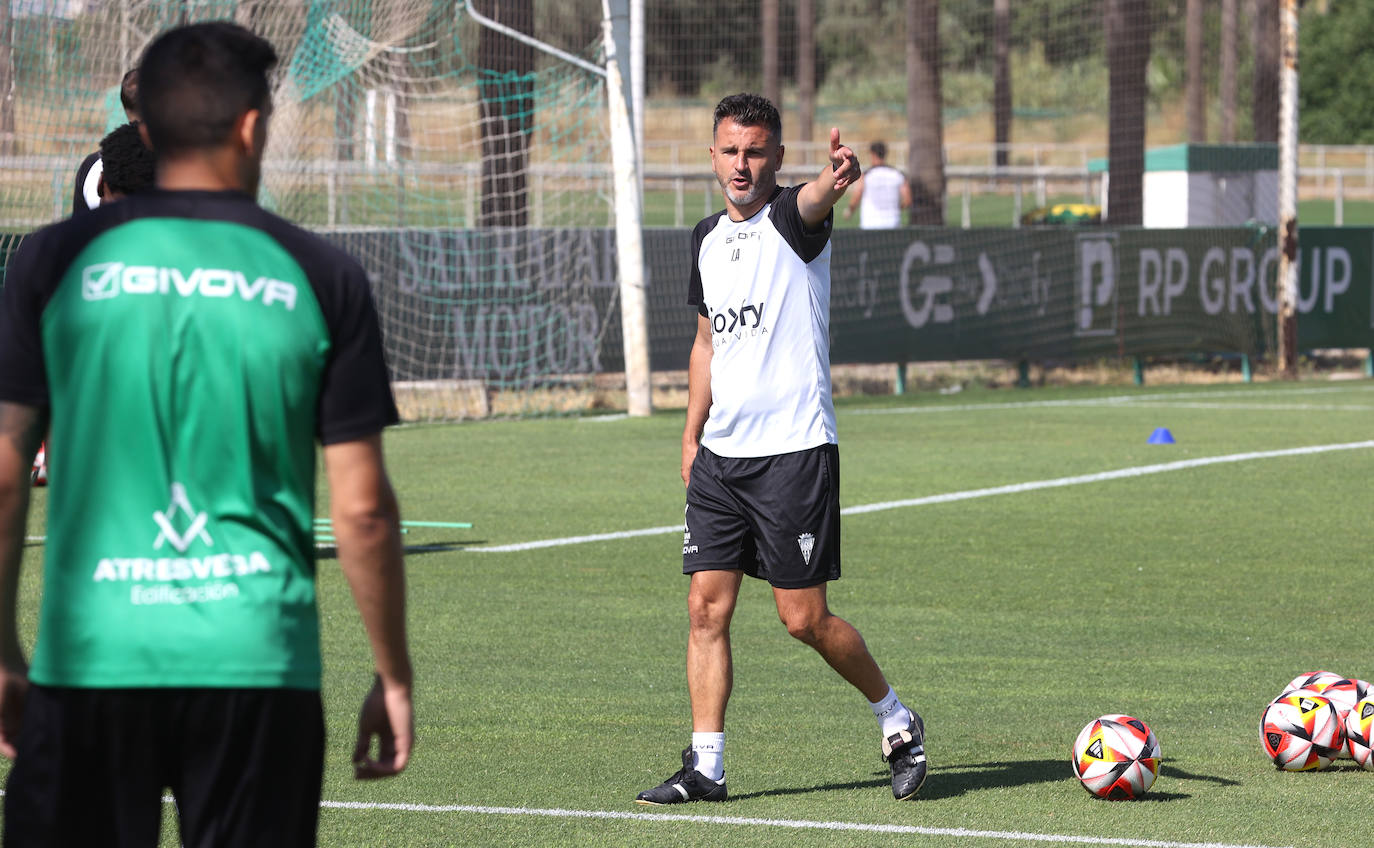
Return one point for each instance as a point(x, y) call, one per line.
point(168, 533)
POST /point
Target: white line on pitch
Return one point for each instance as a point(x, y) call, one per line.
point(795, 824)
point(1101, 476)
point(1266, 407)
point(318, 545)
point(948, 497)
point(1109, 400)
point(577, 540)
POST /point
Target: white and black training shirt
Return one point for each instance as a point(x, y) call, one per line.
point(764, 284)
point(880, 203)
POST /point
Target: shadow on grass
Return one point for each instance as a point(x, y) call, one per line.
point(949, 781)
point(1176, 773)
point(953, 781)
point(328, 551)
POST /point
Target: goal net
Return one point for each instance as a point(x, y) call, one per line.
point(1091, 179)
point(467, 171)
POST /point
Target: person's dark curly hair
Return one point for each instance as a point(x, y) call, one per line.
point(127, 163)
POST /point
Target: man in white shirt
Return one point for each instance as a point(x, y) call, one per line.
point(759, 452)
point(882, 193)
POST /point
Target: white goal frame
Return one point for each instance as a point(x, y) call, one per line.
point(620, 19)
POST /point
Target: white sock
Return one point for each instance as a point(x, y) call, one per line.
point(709, 751)
point(892, 714)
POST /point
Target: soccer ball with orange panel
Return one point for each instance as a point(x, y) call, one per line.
point(1301, 731)
point(1116, 757)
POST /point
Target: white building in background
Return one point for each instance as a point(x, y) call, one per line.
point(1206, 185)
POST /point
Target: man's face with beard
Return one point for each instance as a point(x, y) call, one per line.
point(745, 160)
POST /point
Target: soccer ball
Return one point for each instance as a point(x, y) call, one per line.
point(1359, 733)
point(39, 475)
point(1314, 680)
point(1116, 757)
point(1300, 731)
point(1344, 694)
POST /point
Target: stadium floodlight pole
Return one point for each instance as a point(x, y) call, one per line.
point(629, 232)
point(1288, 194)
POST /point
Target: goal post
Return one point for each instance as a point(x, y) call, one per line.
point(625, 162)
point(619, 23)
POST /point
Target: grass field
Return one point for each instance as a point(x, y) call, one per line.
point(550, 680)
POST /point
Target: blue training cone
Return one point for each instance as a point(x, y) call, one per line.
point(1161, 436)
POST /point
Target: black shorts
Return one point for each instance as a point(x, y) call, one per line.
point(244, 766)
point(774, 517)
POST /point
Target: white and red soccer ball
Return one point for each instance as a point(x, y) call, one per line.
point(1314, 680)
point(1116, 757)
point(1359, 733)
point(39, 475)
point(1301, 731)
point(1342, 692)
point(1345, 693)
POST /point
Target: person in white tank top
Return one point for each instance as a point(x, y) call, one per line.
point(881, 193)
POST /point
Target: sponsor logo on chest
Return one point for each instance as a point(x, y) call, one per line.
point(105, 280)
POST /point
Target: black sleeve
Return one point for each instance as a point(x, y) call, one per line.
point(695, 296)
point(355, 393)
point(787, 218)
point(23, 376)
point(79, 196)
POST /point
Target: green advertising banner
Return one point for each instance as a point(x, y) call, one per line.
point(941, 294)
point(505, 305)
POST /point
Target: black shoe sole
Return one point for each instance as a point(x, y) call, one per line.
point(647, 803)
point(912, 794)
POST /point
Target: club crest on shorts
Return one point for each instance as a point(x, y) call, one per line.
point(806, 542)
point(687, 546)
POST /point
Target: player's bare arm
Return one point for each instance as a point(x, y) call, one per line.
point(819, 196)
point(21, 431)
point(854, 197)
point(366, 521)
point(698, 394)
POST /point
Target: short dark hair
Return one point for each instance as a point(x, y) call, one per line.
point(749, 110)
point(197, 80)
point(126, 163)
point(128, 90)
point(879, 149)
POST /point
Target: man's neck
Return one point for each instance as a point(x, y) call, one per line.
point(208, 171)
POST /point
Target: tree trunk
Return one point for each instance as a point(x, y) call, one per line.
point(505, 91)
point(924, 129)
point(246, 14)
point(1128, 51)
point(1001, 85)
point(1228, 71)
point(345, 118)
point(806, 69)
point(8, 144)
point(398, 71)
point(772, 89)
point(1265, 108)
point(1197, 76)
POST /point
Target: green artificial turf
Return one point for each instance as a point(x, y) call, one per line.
point(552, 679)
